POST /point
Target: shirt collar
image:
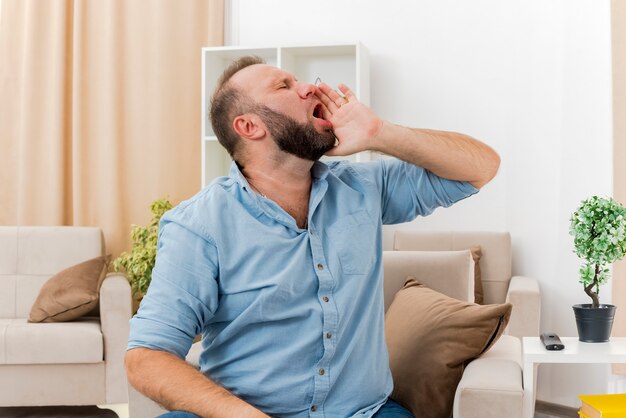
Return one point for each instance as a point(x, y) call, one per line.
point(319, 171)
point(236, 174)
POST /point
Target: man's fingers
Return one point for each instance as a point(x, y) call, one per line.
point(325, 96)
point(347, 92)
point(334, 98)
point(327, 90)
point(326, 114)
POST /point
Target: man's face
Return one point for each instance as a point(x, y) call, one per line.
point(299, 139)
point(289, 108)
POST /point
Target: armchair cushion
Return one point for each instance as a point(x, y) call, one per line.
point(448, 272)
point(71, 293)
point(430, 338)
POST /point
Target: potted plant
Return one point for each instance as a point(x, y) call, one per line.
point(599, 230)
point(139, 262)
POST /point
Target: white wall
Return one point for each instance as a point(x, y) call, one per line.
point(531, 78)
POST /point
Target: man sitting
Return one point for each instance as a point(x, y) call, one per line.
point(279, 265)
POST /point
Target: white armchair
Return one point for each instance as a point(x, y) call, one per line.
point(491, 386)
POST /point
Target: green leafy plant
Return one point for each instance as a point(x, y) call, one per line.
point(599, 230)
point(139, 262)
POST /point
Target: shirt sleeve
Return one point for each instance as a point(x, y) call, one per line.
point(183, 293)
point(408, 191)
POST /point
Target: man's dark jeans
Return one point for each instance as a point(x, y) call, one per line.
point(390, 409)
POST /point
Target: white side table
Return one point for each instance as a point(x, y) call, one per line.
point(534, 353)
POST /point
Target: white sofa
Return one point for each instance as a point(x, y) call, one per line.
point(71, 363)
point(491, 386)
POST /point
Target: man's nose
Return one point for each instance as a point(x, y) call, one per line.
point(306, 89)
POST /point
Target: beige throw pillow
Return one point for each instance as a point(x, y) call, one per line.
point(431, 337)
point(70, 293)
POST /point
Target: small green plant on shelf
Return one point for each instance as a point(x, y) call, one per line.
point(599, 229)
point(139, 261)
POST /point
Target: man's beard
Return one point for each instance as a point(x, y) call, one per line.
point(293, 137)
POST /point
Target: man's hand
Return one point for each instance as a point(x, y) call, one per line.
point(450, 155)
point(354, 124)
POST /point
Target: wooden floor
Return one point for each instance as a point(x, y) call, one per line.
point(549, 410)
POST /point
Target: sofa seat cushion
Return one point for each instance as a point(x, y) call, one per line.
point(22, 342)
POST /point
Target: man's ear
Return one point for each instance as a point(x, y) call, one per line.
point(249, 126)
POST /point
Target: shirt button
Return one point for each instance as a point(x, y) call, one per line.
point(320, 267)
point(321, 372)
point(314, 408)
point(325, 299)
point(329, 335)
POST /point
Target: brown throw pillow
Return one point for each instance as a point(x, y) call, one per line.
point(478, 283)
point(431, 337)
point(71, 293)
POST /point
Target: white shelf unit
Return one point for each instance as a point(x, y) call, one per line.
point(333, 64)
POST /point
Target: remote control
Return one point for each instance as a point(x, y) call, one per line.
point(551, 341)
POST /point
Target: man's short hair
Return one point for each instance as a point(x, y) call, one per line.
point(229, 102)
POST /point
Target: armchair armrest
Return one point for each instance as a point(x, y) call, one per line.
point(115, 312)
point(525, 297)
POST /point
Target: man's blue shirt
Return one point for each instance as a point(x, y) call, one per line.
point(292, 320)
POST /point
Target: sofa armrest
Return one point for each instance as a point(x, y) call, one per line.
point(115, 313)
point(525, 297)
